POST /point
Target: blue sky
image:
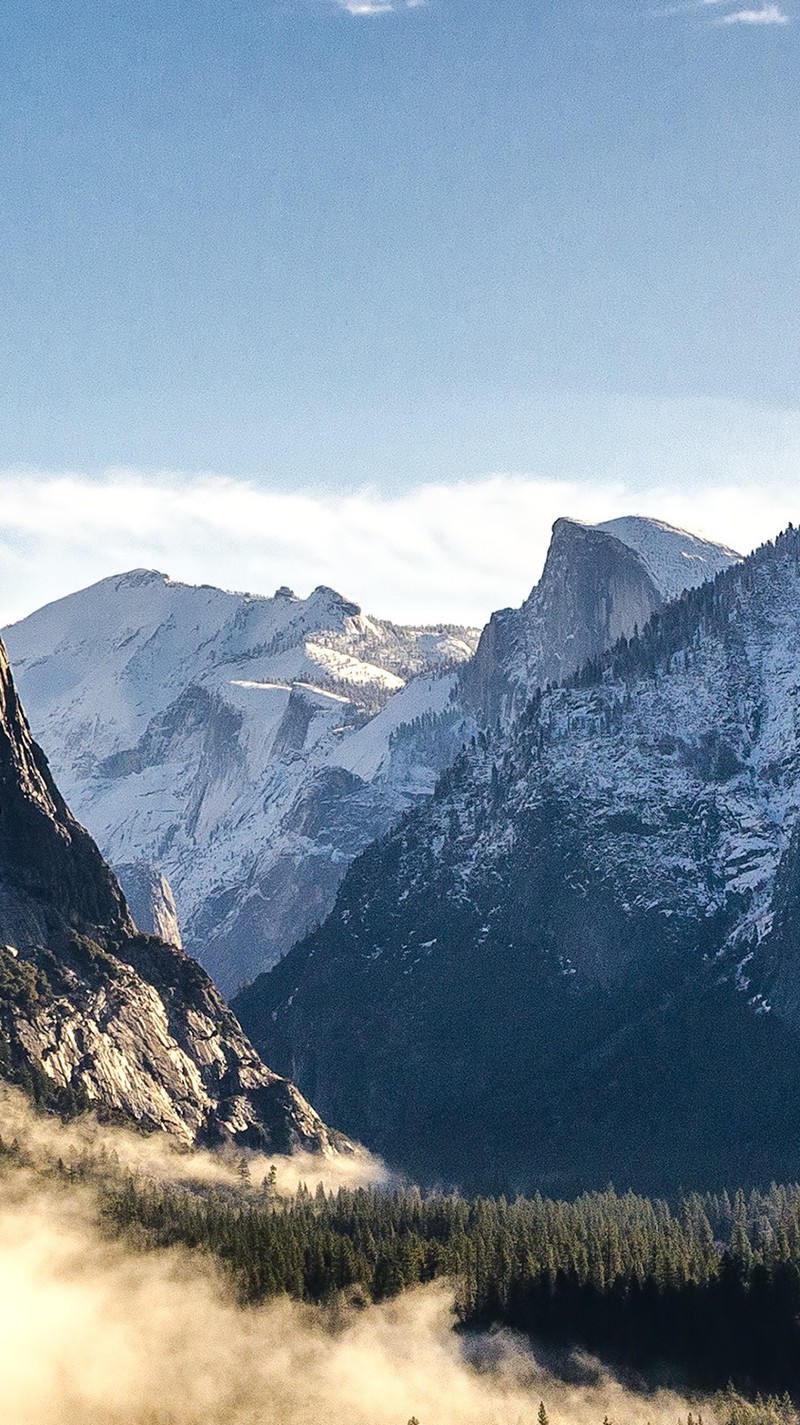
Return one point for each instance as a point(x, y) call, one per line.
point(305, 249)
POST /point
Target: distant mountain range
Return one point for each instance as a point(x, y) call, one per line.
point(221, 738)
point(580, 960)
point(249, 748)
point(95, 1014)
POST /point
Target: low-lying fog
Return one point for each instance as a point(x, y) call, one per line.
point(94, 1332)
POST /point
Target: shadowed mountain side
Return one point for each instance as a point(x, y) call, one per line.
point(580, 960)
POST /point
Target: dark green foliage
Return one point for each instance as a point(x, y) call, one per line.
point(707, 1285)
point(89, 959)
point(480, 1062)
point(20, 981)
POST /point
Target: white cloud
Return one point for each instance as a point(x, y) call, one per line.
point(453, 552)
point(767, 15)
point(378, 7)
point(687, 7)
point(365, 7)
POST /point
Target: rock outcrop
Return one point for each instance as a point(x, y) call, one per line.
point(92, 1012)
point(599, 583)
point(150, 900)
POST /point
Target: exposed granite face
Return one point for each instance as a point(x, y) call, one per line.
point(147, 1036)
point(100, 1013)
point(593, 590)
point(150, 900)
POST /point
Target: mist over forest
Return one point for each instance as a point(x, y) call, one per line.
point(156, 1284)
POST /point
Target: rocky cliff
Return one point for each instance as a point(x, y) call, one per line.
point(93, 1012)
point(599, 583)
point(150, 900)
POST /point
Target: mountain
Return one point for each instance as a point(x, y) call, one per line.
point(599, 583)
point(250, 748)
point(215, 736)
point(93, 1012)
point(580, 961)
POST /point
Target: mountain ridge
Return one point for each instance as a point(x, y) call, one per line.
point(249, 747)
point(599, 582)
point(613, 884)
point(200, 731)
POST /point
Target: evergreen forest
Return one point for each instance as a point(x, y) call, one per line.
point(707, 1287)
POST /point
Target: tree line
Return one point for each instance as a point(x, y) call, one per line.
point(709, 1284)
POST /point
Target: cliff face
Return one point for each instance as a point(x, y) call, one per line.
point(150, 901)
point(599, 583)
point(91, 1011)
point(49, 866)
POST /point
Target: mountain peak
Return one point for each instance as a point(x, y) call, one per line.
point(324, 597)
point(599, 582)
point(135, 578)
point(675, 558)
point(167, 712)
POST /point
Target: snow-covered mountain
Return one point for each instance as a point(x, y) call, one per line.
point(581, 959)
point(249, 747)
point(94, 1014)
point(599, 583)
point(232, 742)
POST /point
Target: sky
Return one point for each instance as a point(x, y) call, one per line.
point(367, 292)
